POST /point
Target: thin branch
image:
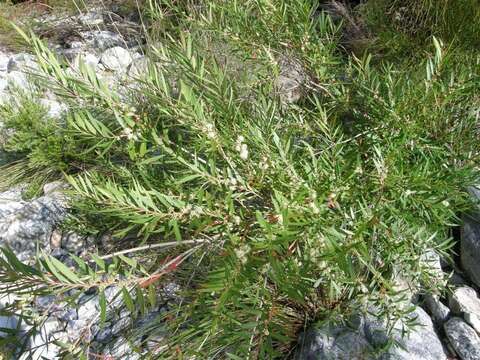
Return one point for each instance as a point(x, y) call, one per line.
point(154, 246)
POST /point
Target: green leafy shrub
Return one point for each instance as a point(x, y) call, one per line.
point(403, 28)
point(271, 216)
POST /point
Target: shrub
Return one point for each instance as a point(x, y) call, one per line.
point(271, 216)
point(407, 26)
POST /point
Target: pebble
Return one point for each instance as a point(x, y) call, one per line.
point(116, 59)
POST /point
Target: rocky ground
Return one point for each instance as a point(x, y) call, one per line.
point(449, 325)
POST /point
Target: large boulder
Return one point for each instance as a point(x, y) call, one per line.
point(463, 339)
point(366, 339)
point(438, 311)
point(470, 240)
point(334, 342)
point(26, 225)
point(464, 302)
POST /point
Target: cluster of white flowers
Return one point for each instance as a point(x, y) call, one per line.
point(210, 130)
point(264, 165)
point(314, 207)
point(242, 148)
point(242, 253)
point(128, 134)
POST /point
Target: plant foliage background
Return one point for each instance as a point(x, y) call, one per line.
point(270, 215)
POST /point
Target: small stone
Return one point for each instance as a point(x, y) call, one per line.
point(437, 309)
point(91, 18)
point(464, 301)
point(421, 343)
point(73, 243)
point(88, 307)
point(59, 254)
point(333, 342)
point(53, 187)
point(290, 82)
point(103, 40)
point(24, 225)
point(463, 339)
point(116, 59)
point(75, 44)
point(67, 315)
point(56, 240)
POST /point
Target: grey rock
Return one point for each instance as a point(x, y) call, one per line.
point(55, 109)
point(76, 329)
point(3, 83)
point(291, 81)
point(456, 280)
point(463, 339)
point(156, 343)
point(45, 302)
point(17, 80)
point(365, 339)
point(53, 187)
point(464, 301)
point(121, 349)
point(88, 307)
point(73, 243)
point(470, 240)
point(67, 315)
point(104, 335)
point(24, 225)
point(139, 67)
point(421, 343)
point(333, 342)
point(171, 291)
point(4, 60)
point(87, 58)
point(437, 309)
point(432, 264)
point(8, 323)
point(116, 59)
point(91, 18)
point(102, 40)
point(41, 343)
point(121, 325)
point(22, 62)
